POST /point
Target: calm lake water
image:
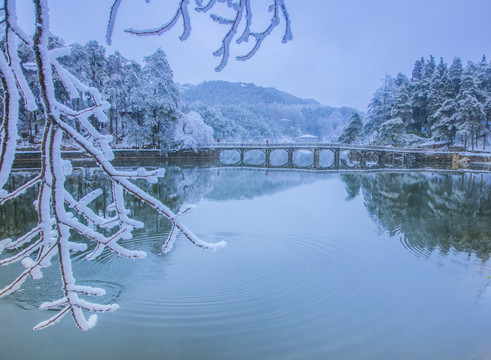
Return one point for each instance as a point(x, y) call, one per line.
point(354, 265)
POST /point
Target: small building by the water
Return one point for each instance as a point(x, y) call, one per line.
point(307, 138)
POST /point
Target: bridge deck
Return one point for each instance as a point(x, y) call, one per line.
point(323, 146)
point(361, 154)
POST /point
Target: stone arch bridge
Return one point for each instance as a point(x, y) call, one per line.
point(343, 154)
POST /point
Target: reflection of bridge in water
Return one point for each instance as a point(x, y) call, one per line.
point(341, 155)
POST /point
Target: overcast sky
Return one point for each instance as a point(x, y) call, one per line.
point(340, 52)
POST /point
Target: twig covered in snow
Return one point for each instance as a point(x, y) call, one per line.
point(59, 214)
point(242, 9)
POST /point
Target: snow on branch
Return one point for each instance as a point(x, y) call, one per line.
point(243, 13)
point(182, 11)
point(112, 21)
point(278, 6)
point(59, 214)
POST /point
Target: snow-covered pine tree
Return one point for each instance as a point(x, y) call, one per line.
point(138, 135)
point(161, 99)
point(445, 122)
point(470, 113)
point(115, 92)
point(353, 131)
point(486, 70)
point(483, 81)
point(420, 81)
point(483, 76)
point(440, 90)
point(392, 132)
point(455, 73)
point(379, 108)
point(402, 107)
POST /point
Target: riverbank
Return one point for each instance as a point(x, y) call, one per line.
point(34, 156)
point(212, 157)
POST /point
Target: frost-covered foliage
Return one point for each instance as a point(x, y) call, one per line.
point(379, 107)
point(190, 132)
point(353, 132)
point(391, 132)
point(245, 112)
point(439, 104)
point(144, 99)
point(75, 115)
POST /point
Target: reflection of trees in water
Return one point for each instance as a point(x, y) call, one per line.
point(240, 183)
point(431, 211)
point(178, 187)
point(352, 183)
point(19, 214)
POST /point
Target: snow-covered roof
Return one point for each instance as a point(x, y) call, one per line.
point(307, 136)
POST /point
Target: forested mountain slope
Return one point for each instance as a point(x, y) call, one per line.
point(149, 110)
point(246, 112)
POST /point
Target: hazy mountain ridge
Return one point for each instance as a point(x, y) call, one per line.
point(245, 112)
point(224, 92)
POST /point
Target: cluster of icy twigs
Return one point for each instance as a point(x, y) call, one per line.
point(59, 214)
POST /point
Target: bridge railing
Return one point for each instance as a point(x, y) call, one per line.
point(332, 146)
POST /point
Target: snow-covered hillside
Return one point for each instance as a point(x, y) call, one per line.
point(245, 112)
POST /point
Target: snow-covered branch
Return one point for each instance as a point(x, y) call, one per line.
point(243, 14)
point(277, 8)
point(182, 12)
point(59, 214)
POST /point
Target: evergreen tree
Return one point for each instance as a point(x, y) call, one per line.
point(486, 88)
point(402, 108)
point(455, 73)
point(115, 92)
point(445, 121)
point(379, 107)
point(422, 75)
point(470, 115)
point(439, 103)
point(483, 75)
point(440, 90)
point(353, 132)
point(161, 97)
point(392, 132)
point(418, 69)
point(96, 64)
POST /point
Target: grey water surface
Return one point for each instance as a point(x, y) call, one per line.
point(350, 265)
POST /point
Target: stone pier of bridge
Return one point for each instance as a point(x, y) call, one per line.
point(355, 156)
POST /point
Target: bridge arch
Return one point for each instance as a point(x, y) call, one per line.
point(325, 156)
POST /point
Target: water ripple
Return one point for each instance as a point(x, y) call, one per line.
point(261, 282)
